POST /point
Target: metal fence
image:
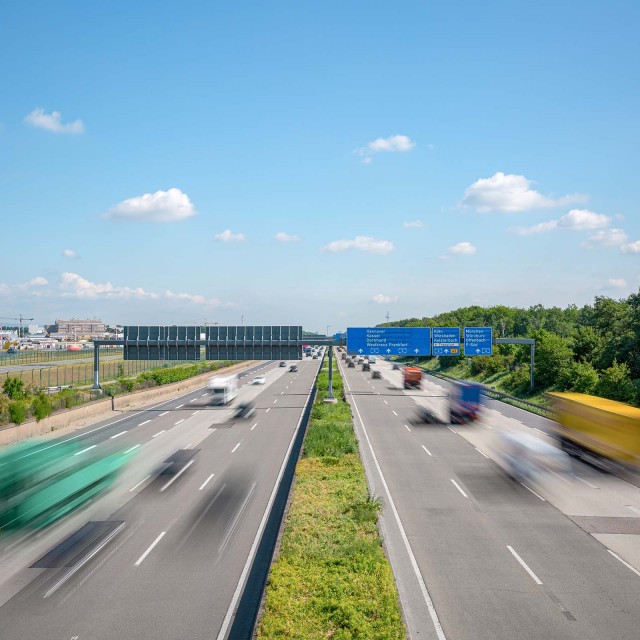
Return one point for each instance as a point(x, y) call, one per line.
point(53, 355)
point(82, 374)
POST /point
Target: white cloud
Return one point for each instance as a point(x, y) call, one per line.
point(415, 224)
point(382, 299)
point(462, 248)
point(360, 243)
point(228, 236)
point(617, 283)
point(281, 236)
point(69, 253)
point(606, 238)
point(75, 286)
point(584, 220)
point(510, 193)
point(161, 206)
point(397, 143)
point(631, 247)
point(541, 227)
point(38, 281)
point(53, 122)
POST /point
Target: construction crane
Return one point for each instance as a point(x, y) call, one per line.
point(20, 319)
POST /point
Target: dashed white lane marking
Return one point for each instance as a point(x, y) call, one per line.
point(269, 409)
point(626, 564)
point(427, 450)
point(140, 560)
point(130, 449)
point(139, 483)
point(194, 413)
point(204, 394)
point(186, 466)
point(282, 393)
point(459, 488)
point(524, 565)
point(254, 426)
point(204, 484)
point(164, 413)
point(193, 400)
point(235, 448)
point(118, 435)
point(593, 486)
point(394, 413)
point(537, 495)
point(276, 400)
point(93, 446)
point(179, 406)
point(189, 445)
point(407, 427)
point(386, 402)
point(145, 422)
point(155, 435)
point(481, 453)
point(179, 421)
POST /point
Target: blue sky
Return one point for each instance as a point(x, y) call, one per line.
point(162, 146)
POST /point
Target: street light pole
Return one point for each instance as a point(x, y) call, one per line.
point(330, 397)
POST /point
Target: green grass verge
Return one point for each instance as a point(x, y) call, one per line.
point(331, 578)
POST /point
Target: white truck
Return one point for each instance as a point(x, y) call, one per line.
point(223, 389)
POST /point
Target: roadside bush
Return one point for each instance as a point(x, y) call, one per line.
point(616, 384)
point(127, 384)
point(17, 412)
point(14, 388)
point(518, 382)
point(41, 406)
point(580, 377)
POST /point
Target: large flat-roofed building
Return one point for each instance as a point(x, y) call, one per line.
point(80, 328)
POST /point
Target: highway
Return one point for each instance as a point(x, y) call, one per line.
point(168, 554)
point(478, 555)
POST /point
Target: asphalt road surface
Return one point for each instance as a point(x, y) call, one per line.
point(477, 555)
point(169, 553)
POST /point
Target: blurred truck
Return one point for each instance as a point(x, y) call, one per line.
point(593, 427)
point(412, 377)
point(466, 401)
point(223, 388)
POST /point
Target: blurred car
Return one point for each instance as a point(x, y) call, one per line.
point(259, 380)
point(376, 374)
point(244, 410)
point(282, 364)
point(351, 365)
point(366, 366)
point(293, 368)
point(314, 358)
point(396, 366)
point(12, 351)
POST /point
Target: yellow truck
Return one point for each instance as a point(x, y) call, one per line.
point(598, 426)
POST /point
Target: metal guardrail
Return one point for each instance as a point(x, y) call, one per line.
point(498, 395)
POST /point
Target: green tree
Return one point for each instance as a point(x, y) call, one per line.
point(41, 406)
point(17, 412)
point(553, 355)
point(616, 384)
point(587, 345)
point(580, 377)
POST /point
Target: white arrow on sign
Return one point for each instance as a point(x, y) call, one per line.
point(477, 350)
point(416, 350)
point(388, 350)
point(359, 350)
point(446, 350)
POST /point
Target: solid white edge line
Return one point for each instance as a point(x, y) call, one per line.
point(139, 483)
point(537, 495)
point(459, 488)
point(427, 450)
point(186, 466)
point(414, 563)
point(204, 484)
point(263, 523)
point(117, 435)
point(626, 564)
point(140, 560)
point(524, 565)
point(482, 453)
point(93, 446)
point(84, 561)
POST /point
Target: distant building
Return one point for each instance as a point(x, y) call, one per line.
point(35, 330)
point(80, 328)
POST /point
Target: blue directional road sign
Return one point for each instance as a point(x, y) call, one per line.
point(478, 341)
point(389, 341)
point(446, 341)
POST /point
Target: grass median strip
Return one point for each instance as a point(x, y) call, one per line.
point(331, 578)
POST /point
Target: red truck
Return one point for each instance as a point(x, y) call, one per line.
point(412, 377)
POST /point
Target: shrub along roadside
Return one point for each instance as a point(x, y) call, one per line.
point(331, 578)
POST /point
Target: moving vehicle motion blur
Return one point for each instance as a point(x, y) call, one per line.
point(244, 410)
point(598, 428)
point(412, 377)
point(41, 482)
point(223, 388)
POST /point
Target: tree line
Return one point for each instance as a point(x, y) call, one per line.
point(591, 349)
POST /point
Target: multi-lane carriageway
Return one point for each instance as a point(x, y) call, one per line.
point(172, 559)
point(477, 555)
